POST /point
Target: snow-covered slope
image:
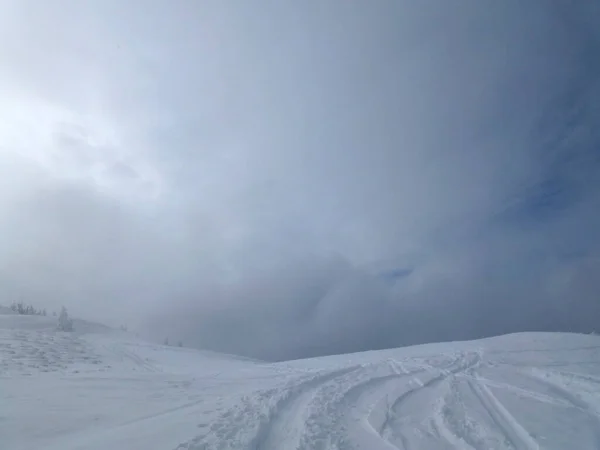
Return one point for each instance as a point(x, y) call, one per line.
point(100, 388)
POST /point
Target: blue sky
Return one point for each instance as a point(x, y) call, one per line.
point(279, 179)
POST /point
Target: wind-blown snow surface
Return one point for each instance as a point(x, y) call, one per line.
point(99, 388)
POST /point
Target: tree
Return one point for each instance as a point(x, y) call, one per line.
point(26, 310)
point(65, 323)
point(180, 344)
point(166, 341)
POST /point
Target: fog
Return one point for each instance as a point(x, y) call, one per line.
point(282, 181)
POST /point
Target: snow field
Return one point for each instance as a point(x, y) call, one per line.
point(100, 388)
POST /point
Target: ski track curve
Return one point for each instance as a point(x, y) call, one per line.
point(347, 408)
point(288, 422)
point(461, 364)
point(387, 405)
point(576, 401)
point(266, 419)
point(441, 425)
point(503, 419)
point(357, 408)
point(355, 416)
point(527, 393)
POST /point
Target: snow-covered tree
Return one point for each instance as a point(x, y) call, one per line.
point(65, 323)
point(166, 341)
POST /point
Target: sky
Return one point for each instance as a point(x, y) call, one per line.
point(287, 180)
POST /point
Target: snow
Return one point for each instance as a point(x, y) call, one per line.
point(99, 388)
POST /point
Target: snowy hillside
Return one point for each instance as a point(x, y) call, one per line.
point(100, 388)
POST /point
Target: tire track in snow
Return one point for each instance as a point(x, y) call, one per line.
point(503, 419)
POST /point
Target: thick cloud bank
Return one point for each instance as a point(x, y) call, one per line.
point(282, 181)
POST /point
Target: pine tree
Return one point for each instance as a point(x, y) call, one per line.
point(65, 323)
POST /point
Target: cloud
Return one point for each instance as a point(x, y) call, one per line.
point(293, 180)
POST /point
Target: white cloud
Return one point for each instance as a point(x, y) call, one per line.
point(270, 158)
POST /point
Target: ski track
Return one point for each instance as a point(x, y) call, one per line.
point(537, 396)
point(438, 375)
point(277, 413)
point(356, 409)
point(506, 423)
point(122, 352)
point(360, 407)
point(550, 379)
point(442, 427)
point(160, 414)
point(335, 410)
point(576, 401)
point(288, 421)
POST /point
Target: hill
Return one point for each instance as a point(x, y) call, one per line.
point(101, 388)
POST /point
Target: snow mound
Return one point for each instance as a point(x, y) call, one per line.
point(30, 345)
